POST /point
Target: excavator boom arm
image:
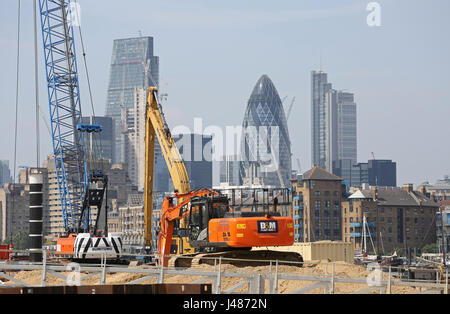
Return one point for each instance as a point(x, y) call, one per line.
point(155, 125)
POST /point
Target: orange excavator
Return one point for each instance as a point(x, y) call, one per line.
point(195, 225)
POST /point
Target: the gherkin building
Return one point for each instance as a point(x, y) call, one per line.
point(265, 143)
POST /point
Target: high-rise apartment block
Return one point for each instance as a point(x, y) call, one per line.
point(133, 139)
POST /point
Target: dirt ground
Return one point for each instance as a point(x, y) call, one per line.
point(341, 270)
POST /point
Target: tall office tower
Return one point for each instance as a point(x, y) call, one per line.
point(353, 174)
point(229, 170)
point(382, 172)
point(5, 173)
point(341, 132)
point(133, 139)
point(360, 174)
point(100, 145)
point(346, 127)
point(265, 143)
point(319, 88)
point(196, 151)
point(132, 65)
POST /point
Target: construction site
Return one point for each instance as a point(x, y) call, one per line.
point(218, 276)
point(196, 240)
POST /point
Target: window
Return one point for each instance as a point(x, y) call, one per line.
point(317, 205)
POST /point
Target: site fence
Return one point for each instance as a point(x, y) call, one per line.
point(226, 280)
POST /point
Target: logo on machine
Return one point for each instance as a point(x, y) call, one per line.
point(267, 226)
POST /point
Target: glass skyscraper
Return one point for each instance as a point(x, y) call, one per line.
point(333, 127)
point(265, 143)
point(133, 64)
point(341, 128)
point(319, 88)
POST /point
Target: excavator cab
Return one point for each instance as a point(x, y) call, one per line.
point(203, 209)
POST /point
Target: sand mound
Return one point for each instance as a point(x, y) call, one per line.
point(341, 270)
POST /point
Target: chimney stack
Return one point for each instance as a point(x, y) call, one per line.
point(408, 187)
point(375, 193)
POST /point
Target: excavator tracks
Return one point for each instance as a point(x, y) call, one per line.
point(238, 258)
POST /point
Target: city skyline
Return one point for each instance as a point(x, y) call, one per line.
point(400, 83)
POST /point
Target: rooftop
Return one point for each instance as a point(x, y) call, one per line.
point(395, 197)
point(317, 173)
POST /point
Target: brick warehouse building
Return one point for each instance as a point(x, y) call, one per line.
point(317, 197)
point(397, 219)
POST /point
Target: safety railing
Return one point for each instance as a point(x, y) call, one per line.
point(273, 278)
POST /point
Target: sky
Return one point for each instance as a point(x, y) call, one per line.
point(212, 53)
